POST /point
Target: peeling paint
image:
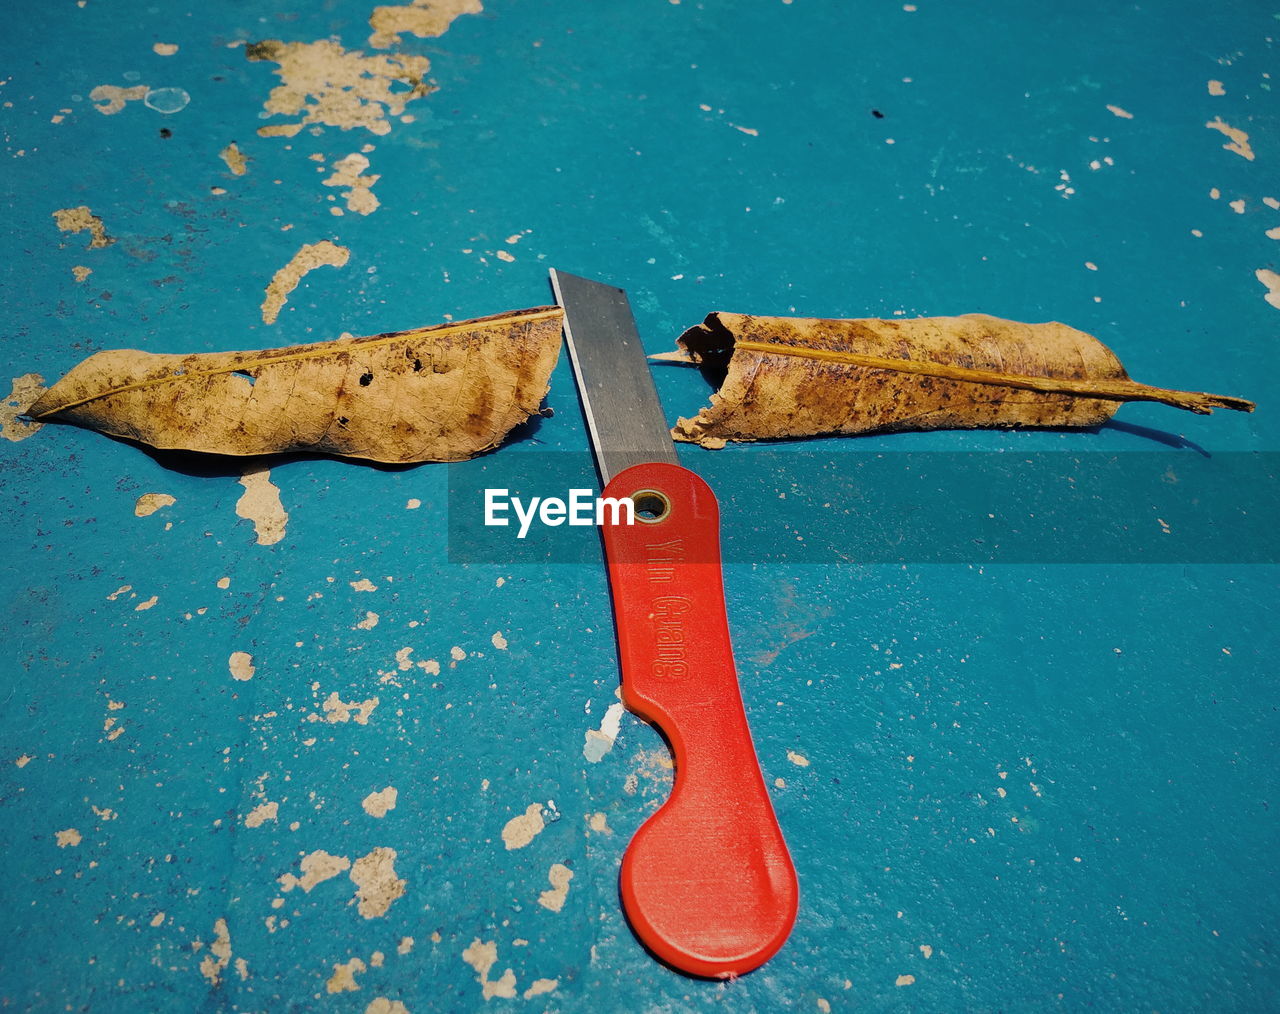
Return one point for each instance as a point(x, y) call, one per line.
point(81, 272)
point(378, 804)
point(383, 1005)
point(1272, 281)
point(110, 99)
point(540, 986)
point(798, 759)
point(323, 84)
point(343, 979)
point(68, 837)
point(425, 19)
point(1124, 114)
point(235, 159)
point(309, 257)
point(262, 813)
point(149, 503)
point(26, 389)
point(347, 172)
point(165, 48)
point(499, 641)
point(316, 867)
point(1237, 139)
point(241, 666)
point(522, 829)
point(482, 956)
point(260, 503)
point(377, 885)
point(599, 742)
point(219, 957)
point(337, 710)
point(81, 219)
point(554, 899)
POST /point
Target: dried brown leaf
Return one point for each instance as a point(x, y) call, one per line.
point(441, 393)
point(780, 377)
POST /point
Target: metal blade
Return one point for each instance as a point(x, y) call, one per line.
point(619, 400)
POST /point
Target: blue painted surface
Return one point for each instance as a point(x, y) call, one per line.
point(1131, 709)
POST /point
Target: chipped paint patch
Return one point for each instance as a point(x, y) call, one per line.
point(369, 622)
point(363, 585)
point(904, 980)
point(260, 503)
point(317, 867)
point(219, 957)
point(482, 956)
point(1216, 88)
point(68, 837)
point(309, 257)
point(522, 829)
point(165, 48)
point(377, 885)
point(110, 99)
point(798, 759)
point(81, 272)
point(600, 741)
point(347, 172)
point(81, 219)
point(599, 823)
point(1124, 114)
point(149, 503)
point(326, 85)
point(927, 951)
point(262, 813)
point(337, 710)
point(1237, 139)
point(554, 899)
point(343, 979)
point(499, 641)
point(142, 606)
point(235, 159)
point(378, 804)
point(540, 986)
point(405, 945)
point(26, 389)
point(383, 1005)
point(1272, 281)
point(24, 760)
point(425, 19)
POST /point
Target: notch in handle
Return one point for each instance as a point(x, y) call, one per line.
point(707, 882)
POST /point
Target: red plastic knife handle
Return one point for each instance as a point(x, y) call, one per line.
point(707, 882)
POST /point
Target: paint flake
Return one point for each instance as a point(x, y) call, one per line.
point(262, 813)
point(482, 956)
point(343, 979)
point(26, 389)
point(241, 666)
point(599, 742)
point(377, 885)
point(554, 899)
point(260, 503)
point(520, 830)
point(425, 19)
point(149, 503)
point(235, 159)
point(1237, 139)
point(110, 99)
point(323, 84)
point(347, 172)
point(81, 219)
point(309, 257)
point(316, 868)
point(378, 804)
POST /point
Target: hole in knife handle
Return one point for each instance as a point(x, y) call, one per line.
point(652, 505)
